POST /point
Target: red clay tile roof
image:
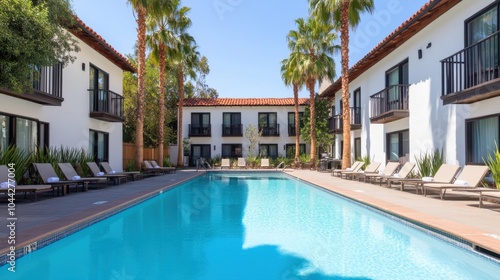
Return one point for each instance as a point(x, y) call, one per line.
point(95, 41)
point(212, 102)
point(418, 21)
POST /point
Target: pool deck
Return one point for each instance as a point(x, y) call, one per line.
point(458, 215)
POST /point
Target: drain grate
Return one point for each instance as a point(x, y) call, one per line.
point(30, 248)
point(99, 202)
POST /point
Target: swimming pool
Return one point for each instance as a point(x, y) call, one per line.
point(251, 226)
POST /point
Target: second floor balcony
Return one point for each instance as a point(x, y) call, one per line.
point(390, 104)
point(291, 130)
point(106, 105)
point(232, 130)
point(47, 86)
point(472, 74)
point(336, 123)
point(273, 130)
point(200, 130)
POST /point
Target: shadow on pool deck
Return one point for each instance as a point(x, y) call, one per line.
point(458, 215)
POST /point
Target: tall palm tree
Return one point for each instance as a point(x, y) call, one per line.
point(141, 8)
point(313, 39)
point(291, 75)
point(345, 14)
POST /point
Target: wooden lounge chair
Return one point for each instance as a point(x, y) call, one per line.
point(71, 175)
point(492, 194)
point(116, 178)
point(354, 170)
point(168, 169)
point(225, 162)
point(50, 177)
point(150, 169)
point(242, 163)
point(445, 174)
point(264, 163)
point(389, 169)
point(131, 174)
point(26, 189)
point(353, 166)
point(372, 168)
point(470, 177)
point(403, 173)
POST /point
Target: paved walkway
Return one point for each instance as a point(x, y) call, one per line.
point(458, 214)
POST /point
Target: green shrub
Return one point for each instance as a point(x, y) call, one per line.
point(429, 163)
point(20, 159)
point(366, 161)
point(493, 162)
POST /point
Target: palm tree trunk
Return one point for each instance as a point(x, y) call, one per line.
point(161, 92)
point(312, 107)
point(297, 127)
point(180, 82)
point(346, 118)
point(141, 48)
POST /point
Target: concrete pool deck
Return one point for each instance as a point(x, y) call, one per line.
point(458, 215)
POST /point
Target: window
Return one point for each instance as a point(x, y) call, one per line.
point(268, 124)
point(398, 75)
point(98, 87)
point(99, 145)
point(482, 25)
point(291, 122)
point(198, 151)
point(268, 150)
point(98, 79)
point(231, 150)
point(290, 150)
point(398, 144)
point(356, 112)
point(231, 124)
point(22, 132)
point(200, 124)
point(482, 134)
point(357, 148)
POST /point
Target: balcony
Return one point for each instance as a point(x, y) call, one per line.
point(390, 104)
point(291, 130)
point(471, 75)
point(47, 86)
point(200, 130)
point(336, 123)
point(106, 105)
point(232, 130)
point(270, 130)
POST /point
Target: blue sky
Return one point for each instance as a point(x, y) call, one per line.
point(244, 40)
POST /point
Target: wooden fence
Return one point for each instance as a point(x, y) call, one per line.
point(149, 153)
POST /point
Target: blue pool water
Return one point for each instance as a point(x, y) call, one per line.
point(222, 227)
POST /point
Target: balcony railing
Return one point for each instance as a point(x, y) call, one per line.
point(270, 130)
point(200, 130)
point(47, 86)
point(106, 105)
point(232, 130)
point(471, 74)
point(291, 130)
point(336, 123)
point(390, 104)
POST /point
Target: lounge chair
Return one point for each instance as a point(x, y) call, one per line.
point(389, 170)
point(353, 166)
point(167, 168)
point(242, 163)
point(31, 189)
point(445, 174)
point(71, 175)
point(372, 168)
point(264, 163)
point(492, 194)
point(225, 162)
point(150, 169)
point(403, 173)
point(116, 178)
point(354, 170)
point(131, 174)
point(470, 177)
point(50, 177)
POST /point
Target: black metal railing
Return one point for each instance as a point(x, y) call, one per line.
point(270, 130)
point(200, 130)
point(47, 79)
point(106, 101)
point(232, 130)
point(291, 130)
point(392, 98)
point(471, 66)
point(336, 122)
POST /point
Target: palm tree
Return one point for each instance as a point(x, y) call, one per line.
point(314, 41)
point(345, 14)
point(291, 75)
point(141, 8)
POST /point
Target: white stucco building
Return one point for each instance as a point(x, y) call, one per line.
point(80, 105)
point(432, 83)
point(216, 126)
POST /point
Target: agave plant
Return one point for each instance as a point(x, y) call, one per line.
point(18, 157)
point(366, 161)
point(493, 162)
point(429, 163)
